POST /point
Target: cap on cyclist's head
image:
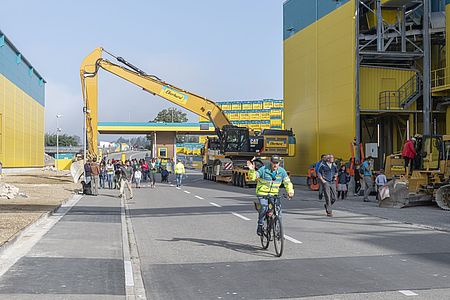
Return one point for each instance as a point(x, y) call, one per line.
point(275, 159)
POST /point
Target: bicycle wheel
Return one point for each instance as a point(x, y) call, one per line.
point(278, 236)
point(265, 237)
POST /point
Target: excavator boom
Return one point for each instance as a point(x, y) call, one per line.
point(234, 143)
point(152, 84)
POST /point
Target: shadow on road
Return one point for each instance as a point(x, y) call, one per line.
point(238, 247)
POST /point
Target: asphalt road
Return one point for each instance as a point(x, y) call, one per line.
point(199, 242)
point(129, 155)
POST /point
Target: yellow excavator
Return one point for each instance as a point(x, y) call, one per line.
point(234, 144)
point(428, 182)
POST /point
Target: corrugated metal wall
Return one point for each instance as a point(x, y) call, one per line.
point(319, 88)
point(14, 67)
point(21, 127)
point(375, 80)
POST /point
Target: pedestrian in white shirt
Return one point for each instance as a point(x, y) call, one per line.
point(137, 178)
point(380, 181)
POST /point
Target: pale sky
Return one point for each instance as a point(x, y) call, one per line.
point(223, 50)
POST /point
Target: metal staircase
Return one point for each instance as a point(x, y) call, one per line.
point(402, 98)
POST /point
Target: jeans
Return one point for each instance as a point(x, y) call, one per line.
point(138, 182)
point(329, 191)
point(94, 185)
point(320, 190)
point(368, 187)
point(263, 206)
point(357, 186)
point(152, 177)
point(145, 175)
point(125, 184)
point(179, 179)
point(102, 181)
point(109, 178)
point(409, 165)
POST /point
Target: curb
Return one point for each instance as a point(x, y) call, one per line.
point(18, 235)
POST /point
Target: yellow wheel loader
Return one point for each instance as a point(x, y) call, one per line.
point(429, 182)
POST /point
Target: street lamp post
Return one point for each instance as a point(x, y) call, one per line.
point(57, 141)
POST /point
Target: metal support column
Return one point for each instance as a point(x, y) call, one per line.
point(84, 133)
point(426, 68)
point(154, 154)
point(175, 147)
point(380, 41)
point(358, 110)
point(403, 28)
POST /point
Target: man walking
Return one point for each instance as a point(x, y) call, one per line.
point(95, 172)
point(380, 181)
point(327, 176)
point(126, 175)
point(367, 168)
point(179, 171)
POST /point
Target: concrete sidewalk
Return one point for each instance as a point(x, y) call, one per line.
point(80, 257)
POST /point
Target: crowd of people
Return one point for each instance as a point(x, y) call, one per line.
point(334, 180)
point(117, 174)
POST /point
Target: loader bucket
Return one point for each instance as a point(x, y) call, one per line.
point(443, 197)
point(77, 170)
point(398, 195)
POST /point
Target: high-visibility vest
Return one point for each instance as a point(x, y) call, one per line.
point(179, 168)
point(268, 183)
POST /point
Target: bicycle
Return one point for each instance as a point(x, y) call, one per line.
point(273, 227)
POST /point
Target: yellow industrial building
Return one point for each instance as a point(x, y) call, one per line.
point(363, 72)
point(22, 103)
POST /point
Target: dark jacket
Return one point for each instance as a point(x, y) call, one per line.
point(343, 177)
point(326, 172)
point(87, 169)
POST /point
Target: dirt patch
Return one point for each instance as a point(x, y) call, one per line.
point(44, 191)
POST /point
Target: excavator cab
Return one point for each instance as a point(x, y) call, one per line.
point(431, 152)
point(235, 139)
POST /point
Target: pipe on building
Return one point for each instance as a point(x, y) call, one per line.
point(426, 68)
point(357, 66)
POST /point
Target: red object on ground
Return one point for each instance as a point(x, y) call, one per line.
point(312, 181)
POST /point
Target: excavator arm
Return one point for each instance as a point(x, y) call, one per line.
point(150, 83)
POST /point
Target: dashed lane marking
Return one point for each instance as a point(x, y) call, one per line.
point(408, 293)
point(215, 204)
point(292, 239)
point(178, 188)
point(198, 197)
point(128, 273)
point(187, 192)
point(172, 185)
point(240, 216)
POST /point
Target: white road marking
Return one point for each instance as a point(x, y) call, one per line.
point(134, 285)
point(198, 197)
point(187, 192)
point(129, 281)
point(178, 188)
point(240, 216)
point(292, 239)
point(172, 185)
point(408, 293)
point(215, 204)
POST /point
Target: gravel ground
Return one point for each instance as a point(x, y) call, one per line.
point(44, 192)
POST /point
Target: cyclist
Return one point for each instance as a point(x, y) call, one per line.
point(268, 180)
